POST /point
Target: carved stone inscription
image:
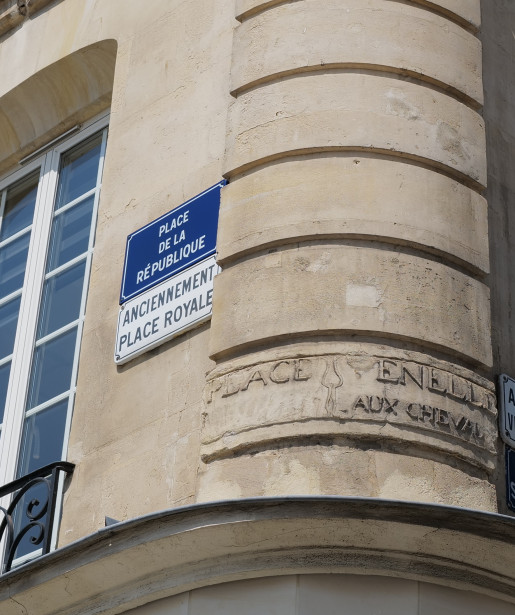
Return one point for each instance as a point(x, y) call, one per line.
point(352, 390)
point(280, 372)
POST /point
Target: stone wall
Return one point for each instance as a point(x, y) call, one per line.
point(351, 323)
point(350, 348)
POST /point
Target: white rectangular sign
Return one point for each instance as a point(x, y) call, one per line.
point(166, 310)
point(507, 409)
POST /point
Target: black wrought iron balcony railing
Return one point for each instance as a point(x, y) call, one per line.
point(27, 523)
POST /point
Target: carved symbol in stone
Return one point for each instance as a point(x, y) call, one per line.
point(331, 380)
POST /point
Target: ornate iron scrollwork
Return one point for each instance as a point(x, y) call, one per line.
point(31, 512)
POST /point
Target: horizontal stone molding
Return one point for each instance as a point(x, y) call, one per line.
point(350, 396)
point(353, 111)
point(468, 10)
point(13, 12)
point(310, 35)
point(335, 289)
point(337, 346)
point(10, 15)
point(353, 196)
point(467, 13)
point(171, 552)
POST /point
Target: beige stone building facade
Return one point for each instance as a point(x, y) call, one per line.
point(329, 440)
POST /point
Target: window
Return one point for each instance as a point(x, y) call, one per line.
point(47, 222)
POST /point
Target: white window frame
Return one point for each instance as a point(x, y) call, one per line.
point(26, 329)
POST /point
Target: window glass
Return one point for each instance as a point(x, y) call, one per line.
point(19, 206)
point(13, 258)
point(47, 210)
point(79, 169)
point(70, 234)
point(52, 368)
point(4, 381)
point(42, 443)
point(61, 301)
point(8, 320)
point(42, 440)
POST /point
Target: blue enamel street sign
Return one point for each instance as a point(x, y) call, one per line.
point(510, 478)
point(166, 246)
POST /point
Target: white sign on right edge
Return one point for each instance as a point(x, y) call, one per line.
point(507, 409)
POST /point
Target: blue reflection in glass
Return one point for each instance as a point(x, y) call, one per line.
point(52, 368)
point(42, 440)
point(70, 234)
point(19, 206)
point(5, 370)
point(62, 295)
point(8, 321)
point(13, 257)
point(79, 169)
point(42, 443)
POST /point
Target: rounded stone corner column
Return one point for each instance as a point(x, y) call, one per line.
point(351, 321)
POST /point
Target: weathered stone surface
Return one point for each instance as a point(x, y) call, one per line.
point(350, 395)
point(340, 179)
point(342, 468)
point(355, 111)
point(468, 10)
point(346, 289)
point(129, 427)
point(393, 248)
point(353, 196)
point(498, 41)
point(357, 34)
